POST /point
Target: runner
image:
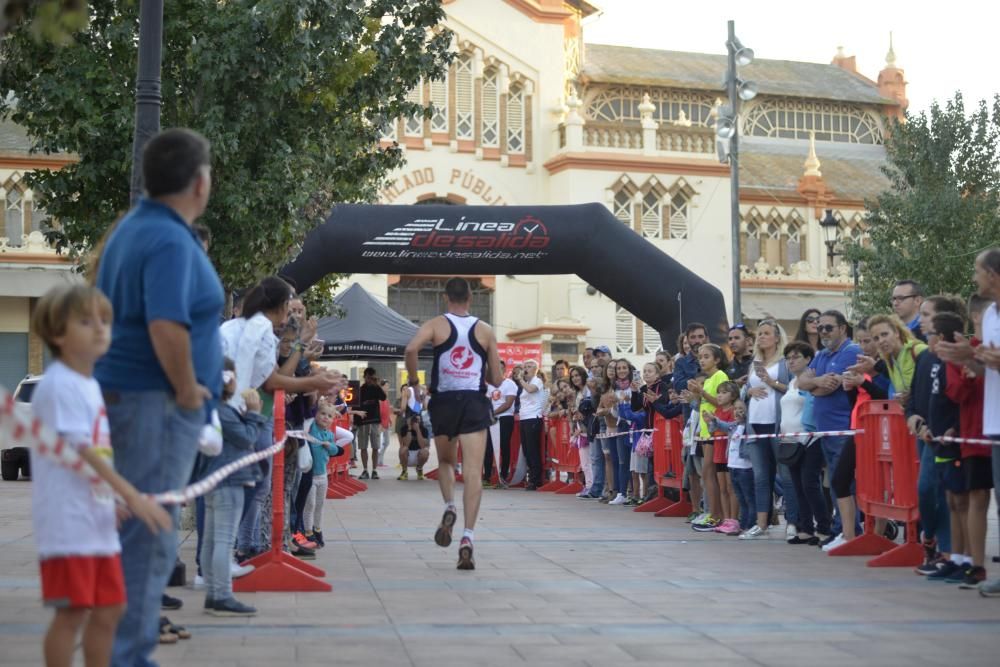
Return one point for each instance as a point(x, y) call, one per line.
point(465, 357)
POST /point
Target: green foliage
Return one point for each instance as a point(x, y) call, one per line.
point(293, 95)
point(943, 205)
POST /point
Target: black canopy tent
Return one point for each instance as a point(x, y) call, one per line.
point(368, 330)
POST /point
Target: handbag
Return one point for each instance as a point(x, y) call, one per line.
point(305, 457)
point(644, 445)
point(789, 452)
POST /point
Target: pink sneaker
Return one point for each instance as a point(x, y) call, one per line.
point(723, 526)
point(729, 527)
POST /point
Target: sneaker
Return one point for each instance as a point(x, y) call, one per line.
point(442, 536)
point(302, 553)
point(990, 589)
point(827, 540)
point(318, 537)
point(403, 476)
point(230, 607)
point(363, 475)
point(304, 541)
point(465, 559)
point(236, 570)
point(755, 533)
point(930, 567)
point(209, 603)
point(501, 484)
point(199, 582)
point(374, 474)
point(692, 517)
point(590, 496)
point(946, 569)
point(930, 554)
point(958, 576)
point(891, 531)
point(618, 500)
point(973, 577)
point(727, 527)
point(790, 531)
point(167, 602)
point(420, 474)
point(707, 525)
point(836, 542)
point(632, 502)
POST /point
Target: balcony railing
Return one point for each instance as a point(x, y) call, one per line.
point(631, 137)
point(798, 272)
point(612, 135)
point(31, 244)
point(686, 139)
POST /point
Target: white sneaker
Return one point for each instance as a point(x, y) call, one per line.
point(837, 541)
point(791, 531)
point(237, 570)
point(755, 533)
point(199, 582)
point(618, 500)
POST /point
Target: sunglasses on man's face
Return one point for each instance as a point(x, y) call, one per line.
point(826, 328)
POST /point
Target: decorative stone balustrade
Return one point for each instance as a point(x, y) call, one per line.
point(612, 135)
point(682, 139)
point(31, 244)
point(798, 272)
point(668, 137)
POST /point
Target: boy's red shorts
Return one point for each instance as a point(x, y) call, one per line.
point(82, 581)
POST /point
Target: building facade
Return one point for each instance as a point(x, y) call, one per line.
point(530, 113)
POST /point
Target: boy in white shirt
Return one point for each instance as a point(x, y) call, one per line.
point(75, 523)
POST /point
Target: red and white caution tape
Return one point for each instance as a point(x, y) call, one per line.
point(969, 441)
point(203, 486)
point(790, 434)
point(605, 436)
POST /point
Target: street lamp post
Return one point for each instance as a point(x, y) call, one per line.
point(727, 130)
point(830, 226)
point(147, 87)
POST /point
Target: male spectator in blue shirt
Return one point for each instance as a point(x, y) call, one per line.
point(165, 362)
point(907, 295)
point(687, 367)
point(832, 405)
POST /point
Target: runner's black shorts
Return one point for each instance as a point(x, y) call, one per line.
point(456, 412)
point(978, 473)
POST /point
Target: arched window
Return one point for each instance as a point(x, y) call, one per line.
point(752, 236)
point(464, 128)
point(771, 239)
point(623, 201)
point(795, 118)
point(680, 210)
point(515, 119)
point(617, 104)
point(439, 100)
point(652, 214)
point(13, 212)
point(624, 331)
point(491, 108)
point(413, 126)
point(651, 342)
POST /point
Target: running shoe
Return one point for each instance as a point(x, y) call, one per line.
point(930, 567)
point(236, 570)
point(442, 537)
point(420, 474)
point(692, 517)
point(465, 559)
point(171, 603)
point(990, 589)
point(304, 541)
point(973, 578)
point(959, 575)
point(374, 474)
point(618, 500)
point(318, 536)
point(403, 476)
point(755, 533)
point(707, 525)
point(837, 541)
point(363, 475)
point(947, 569)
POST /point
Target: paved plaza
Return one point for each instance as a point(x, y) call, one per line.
point(560, 581)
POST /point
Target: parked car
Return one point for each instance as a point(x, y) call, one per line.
point(15, 460)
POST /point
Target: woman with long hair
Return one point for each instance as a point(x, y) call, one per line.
point(578, 429)
point(808, 332)
point(768, 381)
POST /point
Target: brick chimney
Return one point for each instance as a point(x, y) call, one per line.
point(843, 61)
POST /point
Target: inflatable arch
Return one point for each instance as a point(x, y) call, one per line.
point(584, 239)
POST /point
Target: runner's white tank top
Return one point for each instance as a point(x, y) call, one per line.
point(460, 361)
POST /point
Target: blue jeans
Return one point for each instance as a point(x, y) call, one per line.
point(248, 540)
point(222, 514)
point(154, 443)
point(743, 485)
point(762, 460)
point(785, 488)
point(624, 444)
point(610, 447)
point(807, 477)
point(934, 516)
point(597, 468)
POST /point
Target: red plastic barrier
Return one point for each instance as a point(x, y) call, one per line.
point(340, 484)
point(669, 468)
point(561, 457)
point(886, 478)
point(277, 570)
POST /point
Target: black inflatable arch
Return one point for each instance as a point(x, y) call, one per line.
point(583, 239)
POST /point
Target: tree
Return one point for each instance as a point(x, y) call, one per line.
point(293, 95)
point(943, 205)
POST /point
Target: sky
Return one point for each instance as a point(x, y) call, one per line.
point(942, 47)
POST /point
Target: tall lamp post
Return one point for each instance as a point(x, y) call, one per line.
point(727, 130)
point(830, 227)
point(147, 87)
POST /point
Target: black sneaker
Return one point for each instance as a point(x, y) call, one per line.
point(930, 567)
point(363, 475)
point(973, 577)
point(945, 570)
point(891, 531)
point(374, 474)
point(231, 607)
point(302, 553)
point(822, 543)
point(209, 603)
point(442, 536)
point(171, 603)
point(318, 537)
